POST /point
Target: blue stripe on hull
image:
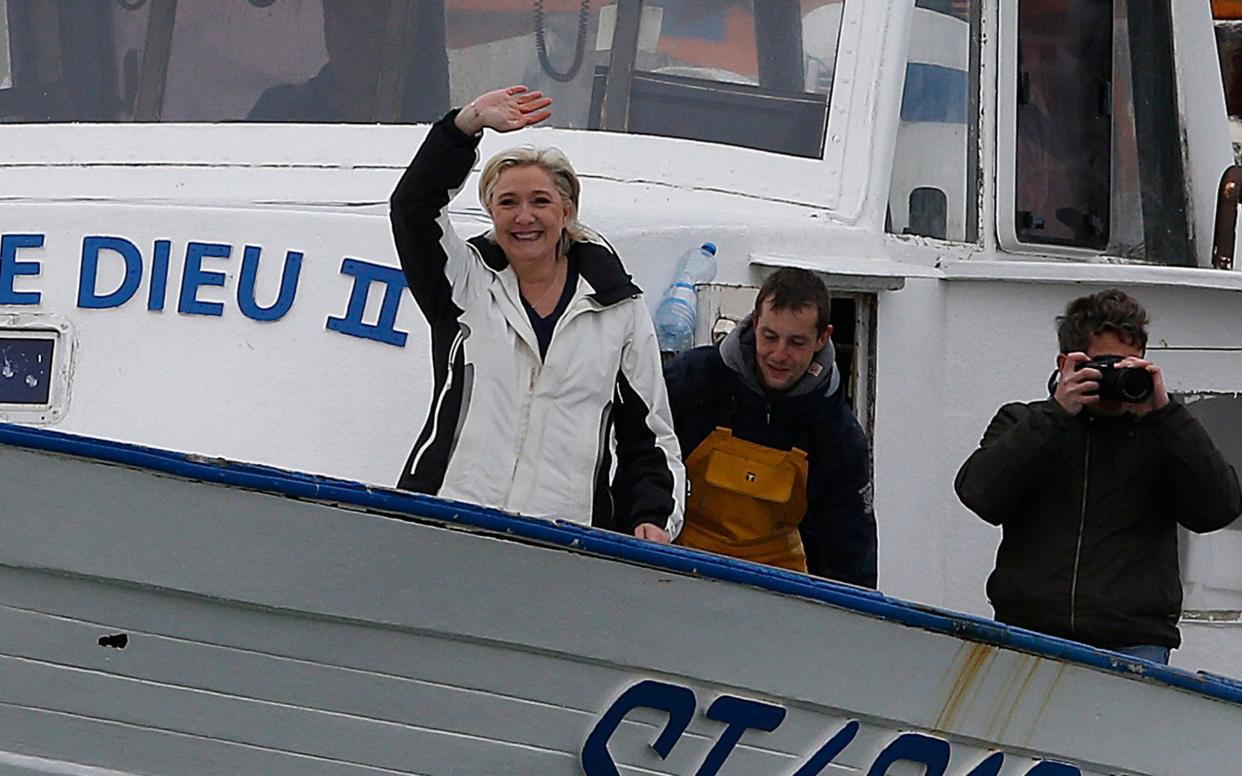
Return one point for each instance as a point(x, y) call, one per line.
point(411, 506)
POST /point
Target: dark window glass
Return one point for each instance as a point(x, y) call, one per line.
point(1064, 123)
point(25, 370)
point(1229, 49)
point(928, 212)
point(68, 60)
point(223, 60)
point(353, 61)
point(1098, 162)
point(740, 73)
point(755, 74)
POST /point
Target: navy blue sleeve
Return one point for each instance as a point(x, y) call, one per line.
point(838, 532)
point(695, 379)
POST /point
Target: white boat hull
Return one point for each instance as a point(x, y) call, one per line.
point(275, 623)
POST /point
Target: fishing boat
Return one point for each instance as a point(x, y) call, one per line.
point(211, 374)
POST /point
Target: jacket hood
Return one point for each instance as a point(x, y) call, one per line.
point(738, 352)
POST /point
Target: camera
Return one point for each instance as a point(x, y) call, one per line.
point(1128, 384)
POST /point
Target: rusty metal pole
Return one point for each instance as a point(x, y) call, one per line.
point(1224, 236)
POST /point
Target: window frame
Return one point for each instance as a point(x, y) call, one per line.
point(973, 152)
point(1007, 151)
point(1149, 85)
point(42, 326)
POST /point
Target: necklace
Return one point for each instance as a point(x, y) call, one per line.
point(557, 280)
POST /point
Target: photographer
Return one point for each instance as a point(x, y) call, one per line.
point(1090, 485)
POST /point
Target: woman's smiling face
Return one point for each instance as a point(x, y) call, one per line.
point(528, 214)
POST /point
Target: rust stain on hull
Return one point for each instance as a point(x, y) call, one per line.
point(966, 683)
point(1019, 689)
point(1043, 704)
point(1010, 700)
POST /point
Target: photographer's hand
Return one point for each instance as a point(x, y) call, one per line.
point(1159, 395)
point(1076, 388)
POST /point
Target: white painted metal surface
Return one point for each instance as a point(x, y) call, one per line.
point(269, 634)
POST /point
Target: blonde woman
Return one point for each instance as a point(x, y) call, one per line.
point(544, 355)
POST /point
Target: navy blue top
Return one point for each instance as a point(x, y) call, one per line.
point(544, 326)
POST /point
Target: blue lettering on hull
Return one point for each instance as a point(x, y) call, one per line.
point(11, 267)
point(365, 275)
point(94, 249)
point(204, 264)
point(740, 714)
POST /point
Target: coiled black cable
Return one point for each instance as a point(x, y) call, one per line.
point(541, 43)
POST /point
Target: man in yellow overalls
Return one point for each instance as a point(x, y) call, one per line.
point(778, 466)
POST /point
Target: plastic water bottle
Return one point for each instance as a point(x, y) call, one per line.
point(678, 308)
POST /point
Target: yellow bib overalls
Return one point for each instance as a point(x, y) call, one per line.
point(746, 501)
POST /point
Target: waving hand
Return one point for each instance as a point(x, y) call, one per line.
point(504, 110)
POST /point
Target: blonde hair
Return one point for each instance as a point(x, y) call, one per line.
point(552, 161)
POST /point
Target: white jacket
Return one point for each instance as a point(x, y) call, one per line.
point(508, 428)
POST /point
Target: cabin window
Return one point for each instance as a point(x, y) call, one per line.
point(1088, 159)
point(227, 60)
point(1228, 16)
point(933, 191)
point(1064, 124)
point(69, 61)
point(26, 370)
point(753, 74)
point(36, 361)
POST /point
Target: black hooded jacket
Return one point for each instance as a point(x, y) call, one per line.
point(1089, 506)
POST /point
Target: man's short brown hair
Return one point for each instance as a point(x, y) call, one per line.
point(792, 288)
point(1112, 310)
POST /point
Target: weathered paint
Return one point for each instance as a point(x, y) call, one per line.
point(976, 659)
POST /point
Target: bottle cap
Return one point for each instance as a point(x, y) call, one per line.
point(710, 247)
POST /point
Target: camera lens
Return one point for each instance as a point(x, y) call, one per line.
point(1134, 384)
